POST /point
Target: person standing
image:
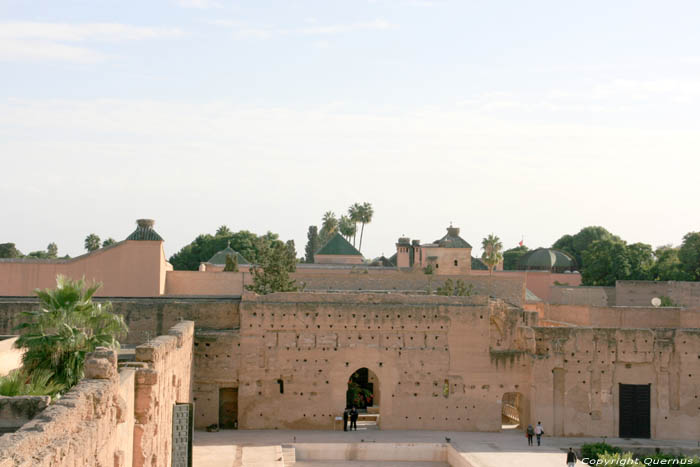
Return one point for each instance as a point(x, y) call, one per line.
point(353, 418)
point(345, 419)
point(530, 432)
point(539, 431)
point(571, 458)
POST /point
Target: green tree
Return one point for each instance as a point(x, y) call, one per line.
point(313, 243)
point(492, 255)
point(92, 242)
point(66, 327)
point(231, 263)
point(355, 215)
point(511, 257)
point(206, 245)
point(366, 214)
point(223, 231)
point(8, 250)
point(329, 226)
point(667, 266)
point(347, 227)
point(108, 242)
point(575, 245)
point(641, 259)
point(689, 255)
point(271, 274)
point(52, 250)
point(607, 260)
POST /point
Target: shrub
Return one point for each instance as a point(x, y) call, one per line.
point(618, 459)
point(592, 451)
point(19, 383)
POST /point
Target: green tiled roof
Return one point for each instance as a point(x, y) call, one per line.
point(546, 258)
point(452, 239)
point(219, 257)
point(145, 231)
point(337, 245)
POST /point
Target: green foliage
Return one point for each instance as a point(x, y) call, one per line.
point(428, 269)
point(641, 260)
point(231, 263)
point(223, 231)
point(8, 250)
point(347, 227)
point(38, 383)
point(576, 244)
point(206, 245)
point(492, 255)
point(606, 261)
point(108, 242)
point(365, 214)
point(92, 242)
point(689, 255)
point(511, 257)
point(667, 266)
point(457, 289)
point(618, 458)
point(275, 261)
point(313, 244)
point(592, 451)
point(666, 301)
point(329, 226)
point(52, 250)
point(67, 326)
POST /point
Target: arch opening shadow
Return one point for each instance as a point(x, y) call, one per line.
point(512, 414)
point(363, 393)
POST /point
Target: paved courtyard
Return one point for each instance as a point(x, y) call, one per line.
point(236, 448)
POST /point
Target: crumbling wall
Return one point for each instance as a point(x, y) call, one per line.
point(88, 426)
point(583, 368)
point(17, 410)
point(163, 379)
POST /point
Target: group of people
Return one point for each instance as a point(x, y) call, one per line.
point(352, 414)
point(536, 431)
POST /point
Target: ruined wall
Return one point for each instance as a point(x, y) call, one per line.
point(88, 426)
point(17, 410)
point(163, 378)
point(509, 288)
point(620, 317)
point(146, 317)
point(595, 296)
point(430, 355)
point(640, 293)
point(578, 371)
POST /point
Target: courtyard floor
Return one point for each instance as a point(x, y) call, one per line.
point(245, 448)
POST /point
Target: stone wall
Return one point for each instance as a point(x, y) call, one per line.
point(580, 369)
point(508, 288)
point(595, 296)
point(83, 427)
point(640, 293)
point(146, 317)
point(163, 379)
point(431, 356)
point(620, 317)
point(17, 410)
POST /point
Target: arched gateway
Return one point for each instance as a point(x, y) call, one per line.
point(363, 392)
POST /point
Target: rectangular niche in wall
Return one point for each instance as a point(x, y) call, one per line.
point(228, 408)
point(635, 410)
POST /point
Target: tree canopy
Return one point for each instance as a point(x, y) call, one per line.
point(492, 251)
point(92, 242)
point(8, 250)
point(511, 257)
point(313, 243)
point(576, 244)
point(689, 255)
point(271, 273)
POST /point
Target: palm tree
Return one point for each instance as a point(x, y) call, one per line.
point(67, 326)
point(92, 242)
point(347, 227)
point(328, 227)
point(52, 250)
point(108, 242)
point(366, 213)
point(354, 215)
point(223, 231)
point(492, 251)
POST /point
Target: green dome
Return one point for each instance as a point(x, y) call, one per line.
point(219, 257)
point(547, 259)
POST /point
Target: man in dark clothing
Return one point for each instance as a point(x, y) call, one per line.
point(353, 418)
point(530, 433)
point(345, 419)
point(570, 458)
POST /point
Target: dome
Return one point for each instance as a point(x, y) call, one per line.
point(547, 259)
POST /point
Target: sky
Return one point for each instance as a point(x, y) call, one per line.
point(529, 120)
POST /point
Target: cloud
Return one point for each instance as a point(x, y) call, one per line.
point(37, 41)
point(245, 31)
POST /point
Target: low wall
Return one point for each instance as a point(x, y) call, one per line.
point(205, 282)
point(594, 296)
point(10, 357)
point(164, 379)
point(640, 293)
point(18, 410)
point(620, 317)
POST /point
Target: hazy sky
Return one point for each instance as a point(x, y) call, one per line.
point(519, 118)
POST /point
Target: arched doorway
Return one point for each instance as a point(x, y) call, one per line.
point(363, 393)
point(512, 413)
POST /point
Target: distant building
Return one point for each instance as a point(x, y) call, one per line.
point(450, 254)
point(217, 262)
point(337, 250)
point(546, 259)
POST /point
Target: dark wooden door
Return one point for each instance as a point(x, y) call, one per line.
point(228, 408)
point(635, 410)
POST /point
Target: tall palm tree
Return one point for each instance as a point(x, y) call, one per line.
point(366, 213)
point(92, 242)
point(354, 215)
point(223, 231)
point(492, 251)
point(347, 227)
point(329, 226)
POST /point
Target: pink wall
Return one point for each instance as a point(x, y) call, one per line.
point(337, 259)
point(538, 282)
point(126, 269)
point(205, 283)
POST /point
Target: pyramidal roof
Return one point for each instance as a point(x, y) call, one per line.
point(144, 231)
point(219, 257)
point(452, 239)
point(337, 245)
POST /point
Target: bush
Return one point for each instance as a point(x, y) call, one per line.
point(19, 383)
point(593, 451)
point(618, 459)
